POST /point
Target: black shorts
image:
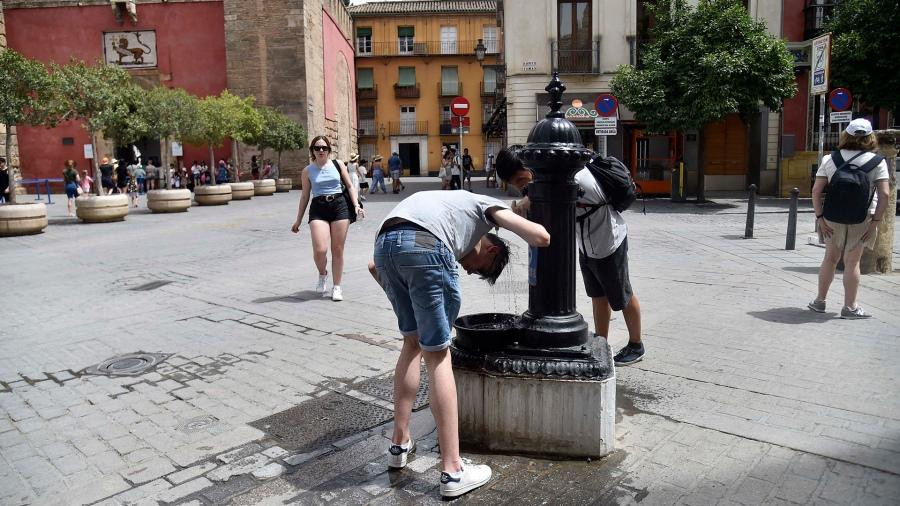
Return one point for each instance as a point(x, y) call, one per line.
point(608, 277)
point(107, 182)
point(329, 210)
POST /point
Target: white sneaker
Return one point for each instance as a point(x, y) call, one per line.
point(322, 285)
point(469, 478)
point(336, 293)
point(399, 454)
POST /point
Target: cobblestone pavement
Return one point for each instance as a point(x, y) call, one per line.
point(269, 395)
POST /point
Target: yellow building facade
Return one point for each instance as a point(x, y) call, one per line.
point(412, 59)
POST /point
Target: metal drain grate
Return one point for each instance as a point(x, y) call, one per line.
point(153, 285)
point(383, 388)
point(130, 364)
point(321, 421)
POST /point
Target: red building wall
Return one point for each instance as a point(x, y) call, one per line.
point(794, 116)
point(190, 42)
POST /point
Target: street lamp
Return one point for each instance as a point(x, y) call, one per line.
point(480, 50)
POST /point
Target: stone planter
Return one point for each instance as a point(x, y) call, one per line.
point(169, 201)
point(242, 191)
point(94, 209)
point(284, 184)
point(215, 195)
point(263, 187)
point(22, 219)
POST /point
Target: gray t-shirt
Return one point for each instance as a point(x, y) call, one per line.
point(458, 218)
point(603, 231)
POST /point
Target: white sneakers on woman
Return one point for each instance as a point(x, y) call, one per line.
point(336, 293)
point(322, 285)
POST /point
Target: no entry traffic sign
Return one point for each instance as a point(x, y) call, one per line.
point(459, 106)
point(606, 104)
point(840, 99)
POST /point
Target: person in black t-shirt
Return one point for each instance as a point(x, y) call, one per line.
point(4, 181)
point(106, 175)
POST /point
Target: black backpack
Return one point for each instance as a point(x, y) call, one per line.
point(849, 192)
point(615, 179)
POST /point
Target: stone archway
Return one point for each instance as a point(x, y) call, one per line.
point(342, 104)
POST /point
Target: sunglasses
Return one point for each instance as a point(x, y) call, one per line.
point(321, 148)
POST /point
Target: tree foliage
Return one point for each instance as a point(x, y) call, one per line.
point(243, 121)
point(865, 39)
point(211, 127)
point(24, 89)
point(170, 113)
point(704, 63)
point(279, 132)
point(97, 94)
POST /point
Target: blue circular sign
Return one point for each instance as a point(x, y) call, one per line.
point(606, 104)
point(840, 99)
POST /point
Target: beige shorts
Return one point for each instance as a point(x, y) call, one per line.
point(849, 237)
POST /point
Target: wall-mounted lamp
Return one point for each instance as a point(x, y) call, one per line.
point(480, 50)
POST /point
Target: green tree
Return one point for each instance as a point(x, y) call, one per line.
point(24, 88)
point(211, 127)
point(865, 40)
point(703, 64)
point(243, 121)
point(170, 114)
point(279, 133)
point(99, 95)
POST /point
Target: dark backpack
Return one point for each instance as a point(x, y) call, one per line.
point(849, 192)
point(615, 180)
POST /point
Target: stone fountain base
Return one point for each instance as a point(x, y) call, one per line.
point(515, 397)
point(540, 416)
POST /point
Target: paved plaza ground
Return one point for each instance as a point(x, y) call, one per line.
point(270, 395)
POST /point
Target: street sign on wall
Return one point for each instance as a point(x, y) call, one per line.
point(606, 104)
point(841, 117)
point(840, 99)
point(821, 53)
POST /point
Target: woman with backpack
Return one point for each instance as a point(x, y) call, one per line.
point(854, 182)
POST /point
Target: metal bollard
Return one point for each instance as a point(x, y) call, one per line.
point(792, 221)
point(751, 211)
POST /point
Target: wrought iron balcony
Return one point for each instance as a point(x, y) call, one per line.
point(408, 127)
point(567, 60)
point(406, 91)
point(450, 89)
point(488, 89)
point(446, 129)
point(403, 47)
point(367, 93)
point(367, 128)
point(816, 14)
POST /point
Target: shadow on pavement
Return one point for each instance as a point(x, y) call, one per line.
point(802, 269)
point(793, 315)
point(304, 296)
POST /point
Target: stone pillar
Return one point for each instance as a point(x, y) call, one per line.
point(879, 258)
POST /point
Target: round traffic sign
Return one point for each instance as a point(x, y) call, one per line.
point(606, 105)
point(840, 99)
point(459, 106)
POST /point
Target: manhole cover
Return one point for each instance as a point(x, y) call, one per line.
point(130, 364)
point(153, 285)
point(196, 424)
point(321, 421)
point(383, 388)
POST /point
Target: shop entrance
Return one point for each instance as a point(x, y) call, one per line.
point(652, 158)
point(409, 157)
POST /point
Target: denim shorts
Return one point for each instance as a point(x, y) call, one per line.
point(418, 274)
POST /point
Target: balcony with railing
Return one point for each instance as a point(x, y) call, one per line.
point(403, 47)
point(450, 89)
point(817, 13)
point(567, 60)
point(367, 93)
point(367, 127)
point(488, 89)
point(408, 127)
point(406, 91)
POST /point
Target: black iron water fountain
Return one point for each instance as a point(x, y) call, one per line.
point(544, 361)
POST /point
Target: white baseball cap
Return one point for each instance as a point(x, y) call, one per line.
point(859, 127)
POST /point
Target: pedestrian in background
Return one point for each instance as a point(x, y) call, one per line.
point(133, 190)
point(329, 214)
point(445, 168)
point(353, 170)
point(854, 182)
point(455, 171)
point(4, 181)
point(122, 176)
point(140, 175)
point(71, 180)
point(395, 167)
point(467, 166)
point(153, 175)
point(254, 168)
point(106, 176)
point(363, 172)
point(86, 182)
point(377, 175)
point(222, 173)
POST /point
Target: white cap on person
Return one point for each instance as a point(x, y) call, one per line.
point(859, 127)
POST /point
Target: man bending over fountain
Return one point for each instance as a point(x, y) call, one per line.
point(602, 252)
point(415, 251)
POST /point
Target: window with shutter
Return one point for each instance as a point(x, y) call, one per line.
point(364, 40)
point(405, 37)
point(407, 77)
point(449, 81)
point(489, 36)
point(365, 79)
